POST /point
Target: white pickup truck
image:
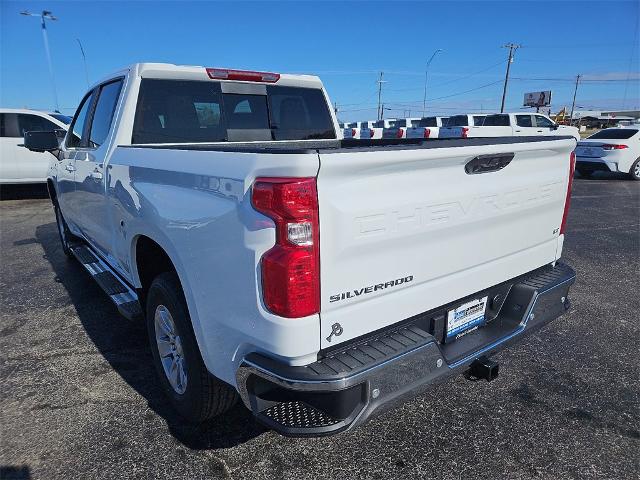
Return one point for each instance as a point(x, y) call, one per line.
point(320, 280)
point(427, 127)
point(511, 124)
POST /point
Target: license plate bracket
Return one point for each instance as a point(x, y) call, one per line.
point(465, 318)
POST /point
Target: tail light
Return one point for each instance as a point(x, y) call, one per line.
point(567, 201)
point(371, 132)
point(245, 75)
point(399, 133)
point(291, 268)
point(427, 133)
point(353, 132)
point(608, 146)
point(465, 132)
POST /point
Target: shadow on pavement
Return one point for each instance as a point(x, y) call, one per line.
point(22, 192)
point(124, 345)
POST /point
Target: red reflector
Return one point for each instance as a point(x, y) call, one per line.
point(465, 132)
point(567, 201)
point(353, 132)
point(371, 133)
point(245, 75)
point(608, 146)
point(290, 271)
point(427, 132)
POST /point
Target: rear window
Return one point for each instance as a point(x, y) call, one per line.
point(615, 133)
point(378, 124)
point(352, 125)
point(400, 123)
point(183, 111)
point(426, 122)
point(496, 121)
point(458, 121)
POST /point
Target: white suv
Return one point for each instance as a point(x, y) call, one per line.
point(17, 164)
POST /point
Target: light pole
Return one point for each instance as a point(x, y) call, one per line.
point(426, 77)
point(49, 16)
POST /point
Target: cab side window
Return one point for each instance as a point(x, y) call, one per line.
point(77, 138)
point(103, 114)
point(524, 120)
point(543, 121)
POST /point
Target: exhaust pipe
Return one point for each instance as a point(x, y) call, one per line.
point(483, 368)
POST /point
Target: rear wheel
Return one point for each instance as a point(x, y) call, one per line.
point(192, 390)
point(634, 172)
point(63, 231)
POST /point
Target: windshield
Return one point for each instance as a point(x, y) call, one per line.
point(615, 133)
point(61, 118)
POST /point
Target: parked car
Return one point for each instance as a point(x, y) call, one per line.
point(317, 280)
point(374, 129)
point(610, 150)
point(513, 124)
point(427, 127)
point(17, 164)
point(458, 125)
point(398, 128)
point(354, 129)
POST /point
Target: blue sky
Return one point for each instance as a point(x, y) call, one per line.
point(346, 43)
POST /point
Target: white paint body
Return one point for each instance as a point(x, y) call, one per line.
point(421, 132)
point(385, 214)
point(17, 164)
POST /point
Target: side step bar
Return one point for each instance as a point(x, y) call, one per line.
point(124, 297)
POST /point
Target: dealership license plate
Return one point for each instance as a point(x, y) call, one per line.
point(466, 317)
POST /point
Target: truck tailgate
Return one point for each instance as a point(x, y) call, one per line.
point(406, 229)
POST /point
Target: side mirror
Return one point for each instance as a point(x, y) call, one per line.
point(555, 126)
point(41, 141)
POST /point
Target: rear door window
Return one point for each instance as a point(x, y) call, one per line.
point(9, 125)
point(524, 120)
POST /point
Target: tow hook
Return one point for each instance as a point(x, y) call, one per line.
point(483, 368)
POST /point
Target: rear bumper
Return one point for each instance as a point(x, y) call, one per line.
point(371, 374)
point(594, 164)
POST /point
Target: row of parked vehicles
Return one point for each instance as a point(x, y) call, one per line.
point(459, 126)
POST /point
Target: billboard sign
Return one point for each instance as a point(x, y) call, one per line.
point(537, 99)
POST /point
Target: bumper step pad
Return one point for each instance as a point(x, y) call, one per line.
point(124, 297)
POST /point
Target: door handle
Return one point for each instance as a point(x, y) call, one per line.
point(70, 168)
point(96, 175)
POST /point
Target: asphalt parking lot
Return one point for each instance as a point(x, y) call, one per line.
point(80, 397)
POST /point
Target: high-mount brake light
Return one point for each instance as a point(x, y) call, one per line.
point(291, 268)
point(465, 132)
point(609, 146)
point(243, 75)
point(567, 201)
point(427, 133)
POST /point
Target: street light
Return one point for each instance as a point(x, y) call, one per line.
point(426, 76)
point(49, 16)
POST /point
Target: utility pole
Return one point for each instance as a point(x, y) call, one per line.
point(426, 77)
point(512, 48)
point(49, 16)
point(84, 59)
point(573, 105)
point(380, 82)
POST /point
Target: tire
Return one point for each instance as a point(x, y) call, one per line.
point(585, 173)
point(198, 396)
point(634, 171)
point(63, 231)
